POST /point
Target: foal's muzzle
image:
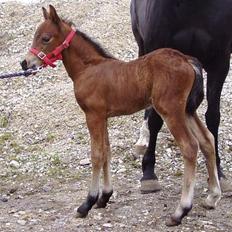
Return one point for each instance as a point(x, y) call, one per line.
point(24, 65)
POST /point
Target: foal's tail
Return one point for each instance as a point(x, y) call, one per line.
point(196, 95)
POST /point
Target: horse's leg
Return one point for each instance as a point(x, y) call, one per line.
point(189, 147)
point(215, 81)
point(143, 141)
point(206, 141)
point(135, 30)
point(149, 181)
point(107, 187)
point(98, 130)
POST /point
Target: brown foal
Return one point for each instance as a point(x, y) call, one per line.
point(105, 87)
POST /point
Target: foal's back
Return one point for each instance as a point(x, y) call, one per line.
point(119, 88)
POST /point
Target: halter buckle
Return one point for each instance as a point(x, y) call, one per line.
point(41, 55)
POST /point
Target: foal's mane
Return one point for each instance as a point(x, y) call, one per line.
point(103, 52)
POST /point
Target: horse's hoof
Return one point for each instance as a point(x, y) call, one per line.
point(81, 215)
point(150, 186)
point(172, 222)
point(226, 185)
point(82, 212)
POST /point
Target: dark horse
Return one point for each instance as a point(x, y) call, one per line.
point(198, 28)
point(105, 87)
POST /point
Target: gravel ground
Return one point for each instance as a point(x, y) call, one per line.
point(44, 142)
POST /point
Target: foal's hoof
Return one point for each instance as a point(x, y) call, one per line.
point(226, 185)
point(209, 205)
point(104, 199)
point(150, 186)
point(100, 205)
point(172, 222)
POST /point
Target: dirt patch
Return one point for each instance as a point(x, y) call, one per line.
point(44, 142)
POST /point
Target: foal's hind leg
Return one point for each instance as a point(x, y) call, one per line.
point(189, 147)
point(99, 139)
point(206, 141)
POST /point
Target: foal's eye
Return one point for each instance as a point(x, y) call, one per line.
point(46, 39)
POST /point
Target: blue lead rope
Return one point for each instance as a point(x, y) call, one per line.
point(21, 73)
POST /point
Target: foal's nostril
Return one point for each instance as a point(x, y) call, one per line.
point(24, 65)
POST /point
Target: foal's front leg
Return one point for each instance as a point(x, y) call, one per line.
point(99, 142)
point(107, 190)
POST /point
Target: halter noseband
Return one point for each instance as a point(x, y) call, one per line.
point(50, 58)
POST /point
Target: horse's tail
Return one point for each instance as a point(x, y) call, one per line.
point(196, 95)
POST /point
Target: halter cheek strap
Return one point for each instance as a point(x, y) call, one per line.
point(50, 58)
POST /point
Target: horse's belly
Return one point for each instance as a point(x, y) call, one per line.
point(192, 41)
point(126, 106)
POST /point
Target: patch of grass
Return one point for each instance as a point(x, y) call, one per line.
point(33, 148)
point(3, 139)
point(58, 172)
point(50, 137)
point(136, 164)
point(75, 175)
point(55, 160)
point(17, 148)
point(8, 138)
point(178, 173)
point(4, 121)
point(54, 171)
point(13, 157)
point(81, 138)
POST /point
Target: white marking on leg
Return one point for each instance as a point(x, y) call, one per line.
point(107, 176)
point(214, 191)
point(94, 187)
point(144, 135)
point(186, 200)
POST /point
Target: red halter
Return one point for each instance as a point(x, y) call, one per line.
point(49, 59)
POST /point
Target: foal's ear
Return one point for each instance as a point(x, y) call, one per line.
point(53, 15)
point(45, 13)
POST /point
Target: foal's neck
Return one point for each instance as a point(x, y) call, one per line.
point(82, 53)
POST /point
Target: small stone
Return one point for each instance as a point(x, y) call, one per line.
point(97, 217)
point(22, 222)
point(19, 197)
point(34, 221)
point(3, 199)
point(21, 212)
point(46, 188)
point(85, 162)
point(107, 225)
point(121, 170)
point(12, 211)
point(13, 190)
point(14, 164)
